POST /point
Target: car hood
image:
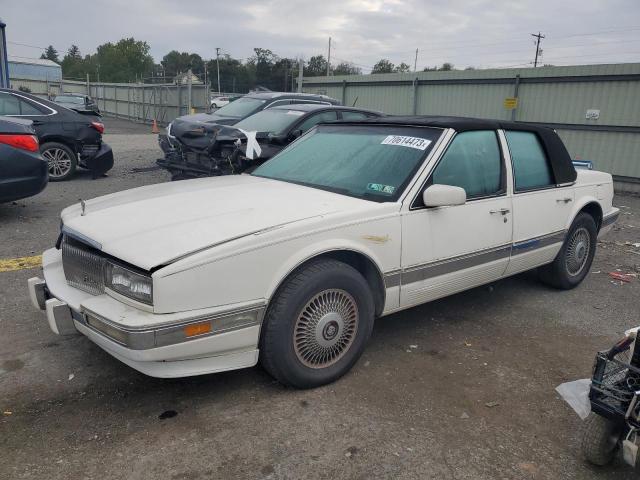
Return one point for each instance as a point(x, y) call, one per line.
point(155, 225)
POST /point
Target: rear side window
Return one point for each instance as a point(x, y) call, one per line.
point(346, 115)
point(316, 119)
point(530, 164)
point(27, 109)
point(473, 162)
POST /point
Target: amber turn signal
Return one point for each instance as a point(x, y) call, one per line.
point(197, 329)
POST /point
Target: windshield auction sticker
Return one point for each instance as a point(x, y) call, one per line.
point(412, 142)
point(378, 187)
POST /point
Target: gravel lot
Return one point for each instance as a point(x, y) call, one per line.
point(415, 405)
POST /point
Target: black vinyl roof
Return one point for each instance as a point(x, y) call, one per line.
point(561, 164)
point(310, 107)
point(460, 124)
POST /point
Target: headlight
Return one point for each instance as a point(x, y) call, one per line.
point(130, 284)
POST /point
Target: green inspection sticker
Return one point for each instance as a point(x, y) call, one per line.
point(378, 187)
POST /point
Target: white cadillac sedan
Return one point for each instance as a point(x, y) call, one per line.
point(291, 264)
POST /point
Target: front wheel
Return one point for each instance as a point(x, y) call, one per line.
point(317, 325)
point(574, 259)
point(600, 439)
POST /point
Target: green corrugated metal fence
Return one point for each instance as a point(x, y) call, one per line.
point(556, 96)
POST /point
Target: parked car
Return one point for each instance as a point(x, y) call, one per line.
point(78, 102)
point(219, 102)
point(291, 264)
point(68, 139)
point(23, 172)
point(196, 149)
point(252, 103)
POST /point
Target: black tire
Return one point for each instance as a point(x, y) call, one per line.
point(319, 301)
point(600, 439)
point(61, 159)
point(574, 259)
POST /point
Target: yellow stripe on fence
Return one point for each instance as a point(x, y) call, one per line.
point(22, 263)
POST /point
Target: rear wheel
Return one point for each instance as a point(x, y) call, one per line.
point(573, 262)
point(317, 325)
point(61, 160)
point(600, 439)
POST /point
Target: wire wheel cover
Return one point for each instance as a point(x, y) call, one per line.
point(58, 160)
point(578, 251)
point(325, 328)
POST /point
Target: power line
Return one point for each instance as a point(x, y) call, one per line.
point(27, 45)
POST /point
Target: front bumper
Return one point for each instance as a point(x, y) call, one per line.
point(154, 344)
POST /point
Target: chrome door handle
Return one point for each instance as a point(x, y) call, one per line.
point(565, 200)
point(502, 211)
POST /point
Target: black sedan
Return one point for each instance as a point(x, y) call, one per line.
point(251, 103)
point(68, 139)
point(198, 149)
point(78, 102)
point(23, 172)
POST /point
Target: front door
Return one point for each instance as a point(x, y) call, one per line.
point(450, 249)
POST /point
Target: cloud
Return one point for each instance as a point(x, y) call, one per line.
point(482, 33)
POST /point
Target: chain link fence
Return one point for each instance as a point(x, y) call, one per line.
point(142, 103)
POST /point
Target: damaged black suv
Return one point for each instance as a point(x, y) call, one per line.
point(198, 149)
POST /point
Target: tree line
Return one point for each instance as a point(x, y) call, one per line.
point(129, 60)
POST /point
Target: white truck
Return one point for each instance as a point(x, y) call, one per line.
point(291, 264)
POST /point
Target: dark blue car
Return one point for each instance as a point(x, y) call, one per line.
point(23, 171)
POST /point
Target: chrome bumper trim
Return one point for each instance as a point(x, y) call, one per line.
point(37, 292)
point(171, 334)
point(610, 219)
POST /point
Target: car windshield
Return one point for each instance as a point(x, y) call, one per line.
point(372, 162)
point(70, 99)
point(271, 120)
point(241, 107)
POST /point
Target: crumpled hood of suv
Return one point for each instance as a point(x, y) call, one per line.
point(154, 225)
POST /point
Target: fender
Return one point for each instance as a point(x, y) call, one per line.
point(315, 250)
point(579, 204)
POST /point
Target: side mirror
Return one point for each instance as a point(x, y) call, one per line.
point(295, 134)
point(444, 196)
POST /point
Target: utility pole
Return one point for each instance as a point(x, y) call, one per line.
point(329, 58)
point(218, 66)
point(539, 37)
point(300, 73)
point(286, 74)
point(415, 62)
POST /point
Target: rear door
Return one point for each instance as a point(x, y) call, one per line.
point(541, 208)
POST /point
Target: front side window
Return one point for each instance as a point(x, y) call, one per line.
point(530, 164)
point(316, 119)
point(369, 162)
point(473, 162)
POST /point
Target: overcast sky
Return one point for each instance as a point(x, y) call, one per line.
point(481, 33)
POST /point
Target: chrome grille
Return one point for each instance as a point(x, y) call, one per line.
point(83, 268)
